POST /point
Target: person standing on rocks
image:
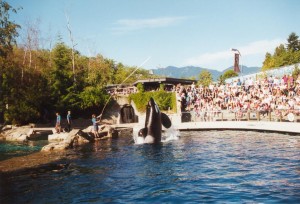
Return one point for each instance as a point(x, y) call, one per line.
point(95, 126)
point(58, 123)
point(69, 121)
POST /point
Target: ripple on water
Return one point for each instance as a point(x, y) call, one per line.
point(13, 149)
point(208, 166)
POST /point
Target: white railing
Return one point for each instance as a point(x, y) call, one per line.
point(279, 115)
point(272, 72)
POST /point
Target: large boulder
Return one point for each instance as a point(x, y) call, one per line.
point(17, 133)
point(58, 136)
point(67, 140)
point(57, 146)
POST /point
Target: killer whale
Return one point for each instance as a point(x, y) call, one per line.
point(151, 133)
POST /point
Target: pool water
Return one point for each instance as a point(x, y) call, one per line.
point(13, 149)
point(199, 167)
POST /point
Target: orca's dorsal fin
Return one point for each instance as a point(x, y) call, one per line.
point(165, 120)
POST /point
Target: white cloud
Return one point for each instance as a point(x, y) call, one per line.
point(207, 58)
point(257, 48)
point(261, 47)
point(126, 25)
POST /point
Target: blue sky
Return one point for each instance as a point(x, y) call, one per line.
point(171, 32)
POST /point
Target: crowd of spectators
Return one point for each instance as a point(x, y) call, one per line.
point(271, 94)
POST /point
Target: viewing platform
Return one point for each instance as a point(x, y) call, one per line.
point(252, 125)
point(282, 127)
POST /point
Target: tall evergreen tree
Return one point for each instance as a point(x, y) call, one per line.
point(293, 42)
point(61, 78)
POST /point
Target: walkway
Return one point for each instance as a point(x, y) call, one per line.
point(32, 132)
point(283, 127)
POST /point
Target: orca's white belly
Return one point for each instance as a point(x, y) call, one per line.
point(140, 140)
point(149, 139)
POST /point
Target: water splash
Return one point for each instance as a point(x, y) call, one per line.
point(170, 134)
point(136, 138)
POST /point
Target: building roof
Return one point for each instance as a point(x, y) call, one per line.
point(165, 80)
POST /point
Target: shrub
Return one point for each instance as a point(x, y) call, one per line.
point(164, 100)
point(140, 87)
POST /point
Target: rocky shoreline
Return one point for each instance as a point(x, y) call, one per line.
point(61, 146)
point(59, 141)
point(58, 147)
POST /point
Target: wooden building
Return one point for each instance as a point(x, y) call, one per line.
point(149, 85)
point(169, 83)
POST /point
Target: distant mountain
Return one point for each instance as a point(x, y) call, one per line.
point(246, 70)
point(183, 72)
point(193, 72)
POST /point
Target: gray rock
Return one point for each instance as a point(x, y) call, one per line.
point(67, 140)
point(17, 133)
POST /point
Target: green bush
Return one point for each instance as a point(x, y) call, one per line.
point(140, 87)
point(21, 113)
point(296, 72)
point(164, 100)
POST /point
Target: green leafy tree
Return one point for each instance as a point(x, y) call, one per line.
point(221, 79)
point(28, 101)
point(205, 78)
point(229, 74)
point(24, 102)
point(280, 56)
point(283, 56)
point(42, 81)
point(296, 72)
point(8, 35)
point(98, 74)
point(92, 98)
point(101, 71)
point(8, 29)
point(268, 62)
point(120, 74)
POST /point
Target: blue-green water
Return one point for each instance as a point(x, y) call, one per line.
point(199, 167)
point(13, 149)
